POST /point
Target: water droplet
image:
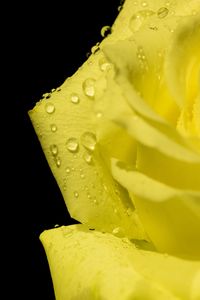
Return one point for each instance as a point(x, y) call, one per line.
point(116, 230)
point(72, 144)
point(89, 196)
point(95, 48)
point(76, 194)
point(75, 98)
point(162, 12)
point(105, 187)
point(82, 175)
point(137, 20)
point(104, 64)
point(105, 31)
point(115, 210)
point(144, 4)
point(54, 150)
point(88, 87)
point(67, 170)
point(88, 158)
point(53, 127)
point(58, 162)
point(119, 8)
point(99, 114)
point(88, 140)
point(49, 107)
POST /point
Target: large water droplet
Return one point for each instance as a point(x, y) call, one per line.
point(50, 108)
point(89, 87)
point(54, 150)
point(105, 31)
point(75, 98)
point(53, 127)
point(72, 145)
point(88, 140)
point(162, 12)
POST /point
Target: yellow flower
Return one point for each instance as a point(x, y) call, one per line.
point(122, 138)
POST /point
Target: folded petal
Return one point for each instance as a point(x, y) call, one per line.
point(91, 265)
point(171, 216)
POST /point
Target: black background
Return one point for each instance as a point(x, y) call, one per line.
point(47, 43)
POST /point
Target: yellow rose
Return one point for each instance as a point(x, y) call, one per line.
point(122, 138)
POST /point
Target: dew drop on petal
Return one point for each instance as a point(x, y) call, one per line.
point(58, 162)
point(49, 107)
point(162, 12)
point(135, 23)
point(72, 144)
point(54, 150)
point(99, 114)
point(89, 87)
point(76, 194)
point(89, 196)
point(53, 127)
point(105, 31)
point(115, 210)
point(104, 65)
point(116, 230)
point(67, 170)
point(88, 158)
point(95, 48)
point(144, 4)
point(88, 140)
point(75, 98)
point(82, 175)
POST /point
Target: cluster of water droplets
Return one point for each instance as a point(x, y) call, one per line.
point(138, 19)
point(88, 141)
point(142, 58)
point(54, 153)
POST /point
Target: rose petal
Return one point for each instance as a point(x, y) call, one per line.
point(91, 265)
